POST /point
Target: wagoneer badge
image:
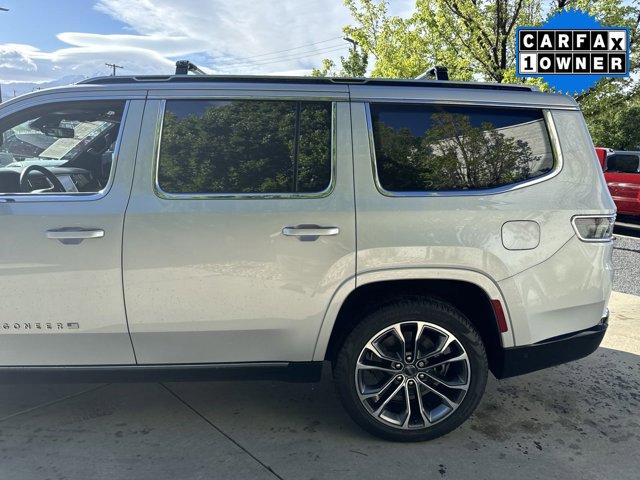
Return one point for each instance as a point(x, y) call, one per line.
point(38, 326)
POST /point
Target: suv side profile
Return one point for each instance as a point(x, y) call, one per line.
point(415, 234)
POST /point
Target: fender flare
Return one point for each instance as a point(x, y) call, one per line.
point(481, 280)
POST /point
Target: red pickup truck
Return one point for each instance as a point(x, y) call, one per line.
point(622, 172)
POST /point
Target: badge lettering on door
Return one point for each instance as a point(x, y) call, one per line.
point(38, 326)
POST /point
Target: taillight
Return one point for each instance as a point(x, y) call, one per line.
point(594, 228)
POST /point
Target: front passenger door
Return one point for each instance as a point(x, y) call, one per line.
point(62, 203)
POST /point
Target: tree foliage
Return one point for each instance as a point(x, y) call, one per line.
point(613, 115)
point(355, 65)
point(475, 39)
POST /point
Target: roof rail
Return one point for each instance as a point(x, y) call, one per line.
point(438, 72)
point(247, 79)
point(183, 67)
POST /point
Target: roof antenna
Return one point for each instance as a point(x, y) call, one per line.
point(440, 73)
point(183, 67)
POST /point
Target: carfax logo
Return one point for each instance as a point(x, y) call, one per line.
point(571, 51)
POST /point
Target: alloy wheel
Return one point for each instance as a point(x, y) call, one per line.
point(412, 375)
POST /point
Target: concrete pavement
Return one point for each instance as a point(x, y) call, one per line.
point(579, 420)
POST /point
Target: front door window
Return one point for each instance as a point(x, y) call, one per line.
point(59, 148)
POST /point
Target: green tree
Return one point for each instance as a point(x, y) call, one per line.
point(469, 37)
point(473, 38)
point(403, 48)
point(613, 116)
point(355, 65)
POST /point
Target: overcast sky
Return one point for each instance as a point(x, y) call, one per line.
point(44, 40)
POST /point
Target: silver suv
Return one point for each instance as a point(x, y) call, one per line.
point(414, 234)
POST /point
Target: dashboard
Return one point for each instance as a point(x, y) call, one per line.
point(73, 179)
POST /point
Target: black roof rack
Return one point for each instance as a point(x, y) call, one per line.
point(299, 81)
point(437, 72)
point(183, 67)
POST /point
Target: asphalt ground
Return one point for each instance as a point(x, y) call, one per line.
point(626, 261)
point(576, 421)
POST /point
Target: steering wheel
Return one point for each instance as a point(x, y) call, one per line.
point(24, 179)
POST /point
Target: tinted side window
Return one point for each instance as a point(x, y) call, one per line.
point(622, 163)
point(435, 148)
point(245, 146)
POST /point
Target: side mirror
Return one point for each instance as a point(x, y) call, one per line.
point(58, 132)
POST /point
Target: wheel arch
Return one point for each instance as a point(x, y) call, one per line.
point(469, 291)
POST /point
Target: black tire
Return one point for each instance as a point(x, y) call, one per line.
point(434, 320)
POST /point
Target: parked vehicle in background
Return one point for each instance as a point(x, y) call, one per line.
point(622, 173)
point(182, 227)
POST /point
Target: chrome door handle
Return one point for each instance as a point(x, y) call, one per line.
point(310, 232)
point(75, 233)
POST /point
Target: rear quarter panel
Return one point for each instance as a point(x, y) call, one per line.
point(463, 232)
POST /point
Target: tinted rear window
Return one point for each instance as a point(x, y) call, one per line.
point(245, 146)
point(436, 148)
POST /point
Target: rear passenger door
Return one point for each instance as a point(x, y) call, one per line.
point(240, 226)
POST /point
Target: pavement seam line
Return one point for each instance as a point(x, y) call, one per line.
point(235, 442)
point(52, 402)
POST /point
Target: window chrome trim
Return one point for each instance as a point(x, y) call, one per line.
point(266, 95)
point(553, 141)
point(74, 196)
point(46, 97)
point(159, 192)
point(463, 103)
